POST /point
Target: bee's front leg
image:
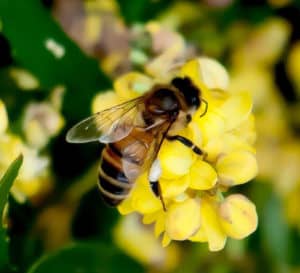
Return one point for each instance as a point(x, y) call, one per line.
point(154, 175)
point(188, 143)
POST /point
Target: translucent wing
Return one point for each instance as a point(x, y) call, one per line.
point(139, 155)
point(107, 126)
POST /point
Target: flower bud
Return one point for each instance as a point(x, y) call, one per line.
point(238, 216)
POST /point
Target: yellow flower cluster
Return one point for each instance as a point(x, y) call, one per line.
point(34, 180)
point(192, 186)
point(278, 149)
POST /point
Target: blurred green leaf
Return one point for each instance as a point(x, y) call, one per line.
point(86, 258)
point(39, 45)
point(94, 221)
point(142, 10)
point(5, 185)
point(295, 253)
point(24, 245)
point(271, 243)
point(275, 232)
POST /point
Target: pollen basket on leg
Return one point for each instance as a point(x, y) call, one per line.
point(155, 171)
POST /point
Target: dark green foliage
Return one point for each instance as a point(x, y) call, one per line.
point(86, 258)
point(142, 10)
point(32, 27)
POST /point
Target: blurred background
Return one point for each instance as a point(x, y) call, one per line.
point(56, 56)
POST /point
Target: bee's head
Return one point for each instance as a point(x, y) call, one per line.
point(190, 92)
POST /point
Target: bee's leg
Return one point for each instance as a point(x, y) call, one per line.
point(187, 143)
point(155, 187)
point(154, 175)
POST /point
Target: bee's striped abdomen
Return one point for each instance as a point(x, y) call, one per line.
point(113, 184)
point(131, 150)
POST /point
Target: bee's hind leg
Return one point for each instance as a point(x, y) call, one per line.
point(154, 175)
point(188, 143)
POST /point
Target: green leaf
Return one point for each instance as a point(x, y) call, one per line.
point(31, 34)
point(86, 258)
point(142, 10)
point(5, 185)
point(275, 232)
point(7, 181)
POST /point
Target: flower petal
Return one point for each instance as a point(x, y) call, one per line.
point(125, 207)
point(200, 236)
point(238, 216)
point(202, 176)
point(225, 144)
point(246, 130)
point(174, 187)
point(216, 237)
point(213, 74)
point(142, 198)
point(237, 168)
point(166, 240)
point(159, 224)
point(236, 110)
point(211, 125)
point(183, 219)
point(176, 160)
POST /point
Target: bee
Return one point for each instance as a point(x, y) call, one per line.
point(134, 132)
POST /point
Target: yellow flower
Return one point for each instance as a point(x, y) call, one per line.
point(139, 242)
point(33, 181)
point(24, 79)
point(41, 122)
point(264, 44)
point(279, 3)
point(293, 65)
point(3, 118)
point(193, 187)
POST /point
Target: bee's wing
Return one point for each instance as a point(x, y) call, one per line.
point(107, 126)
point(131, 164)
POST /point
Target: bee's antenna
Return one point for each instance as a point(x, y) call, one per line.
point(206, 107)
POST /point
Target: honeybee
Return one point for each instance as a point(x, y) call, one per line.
point(134, 132)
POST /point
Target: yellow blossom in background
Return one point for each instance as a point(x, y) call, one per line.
point(34, 180)
point(293, 66)
point(41, 122)
point(264, 44)
point(277, 146)
point(24, 79)
point(194, 187)
point(138, 241)
point(279, 3)
point(3, 118)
